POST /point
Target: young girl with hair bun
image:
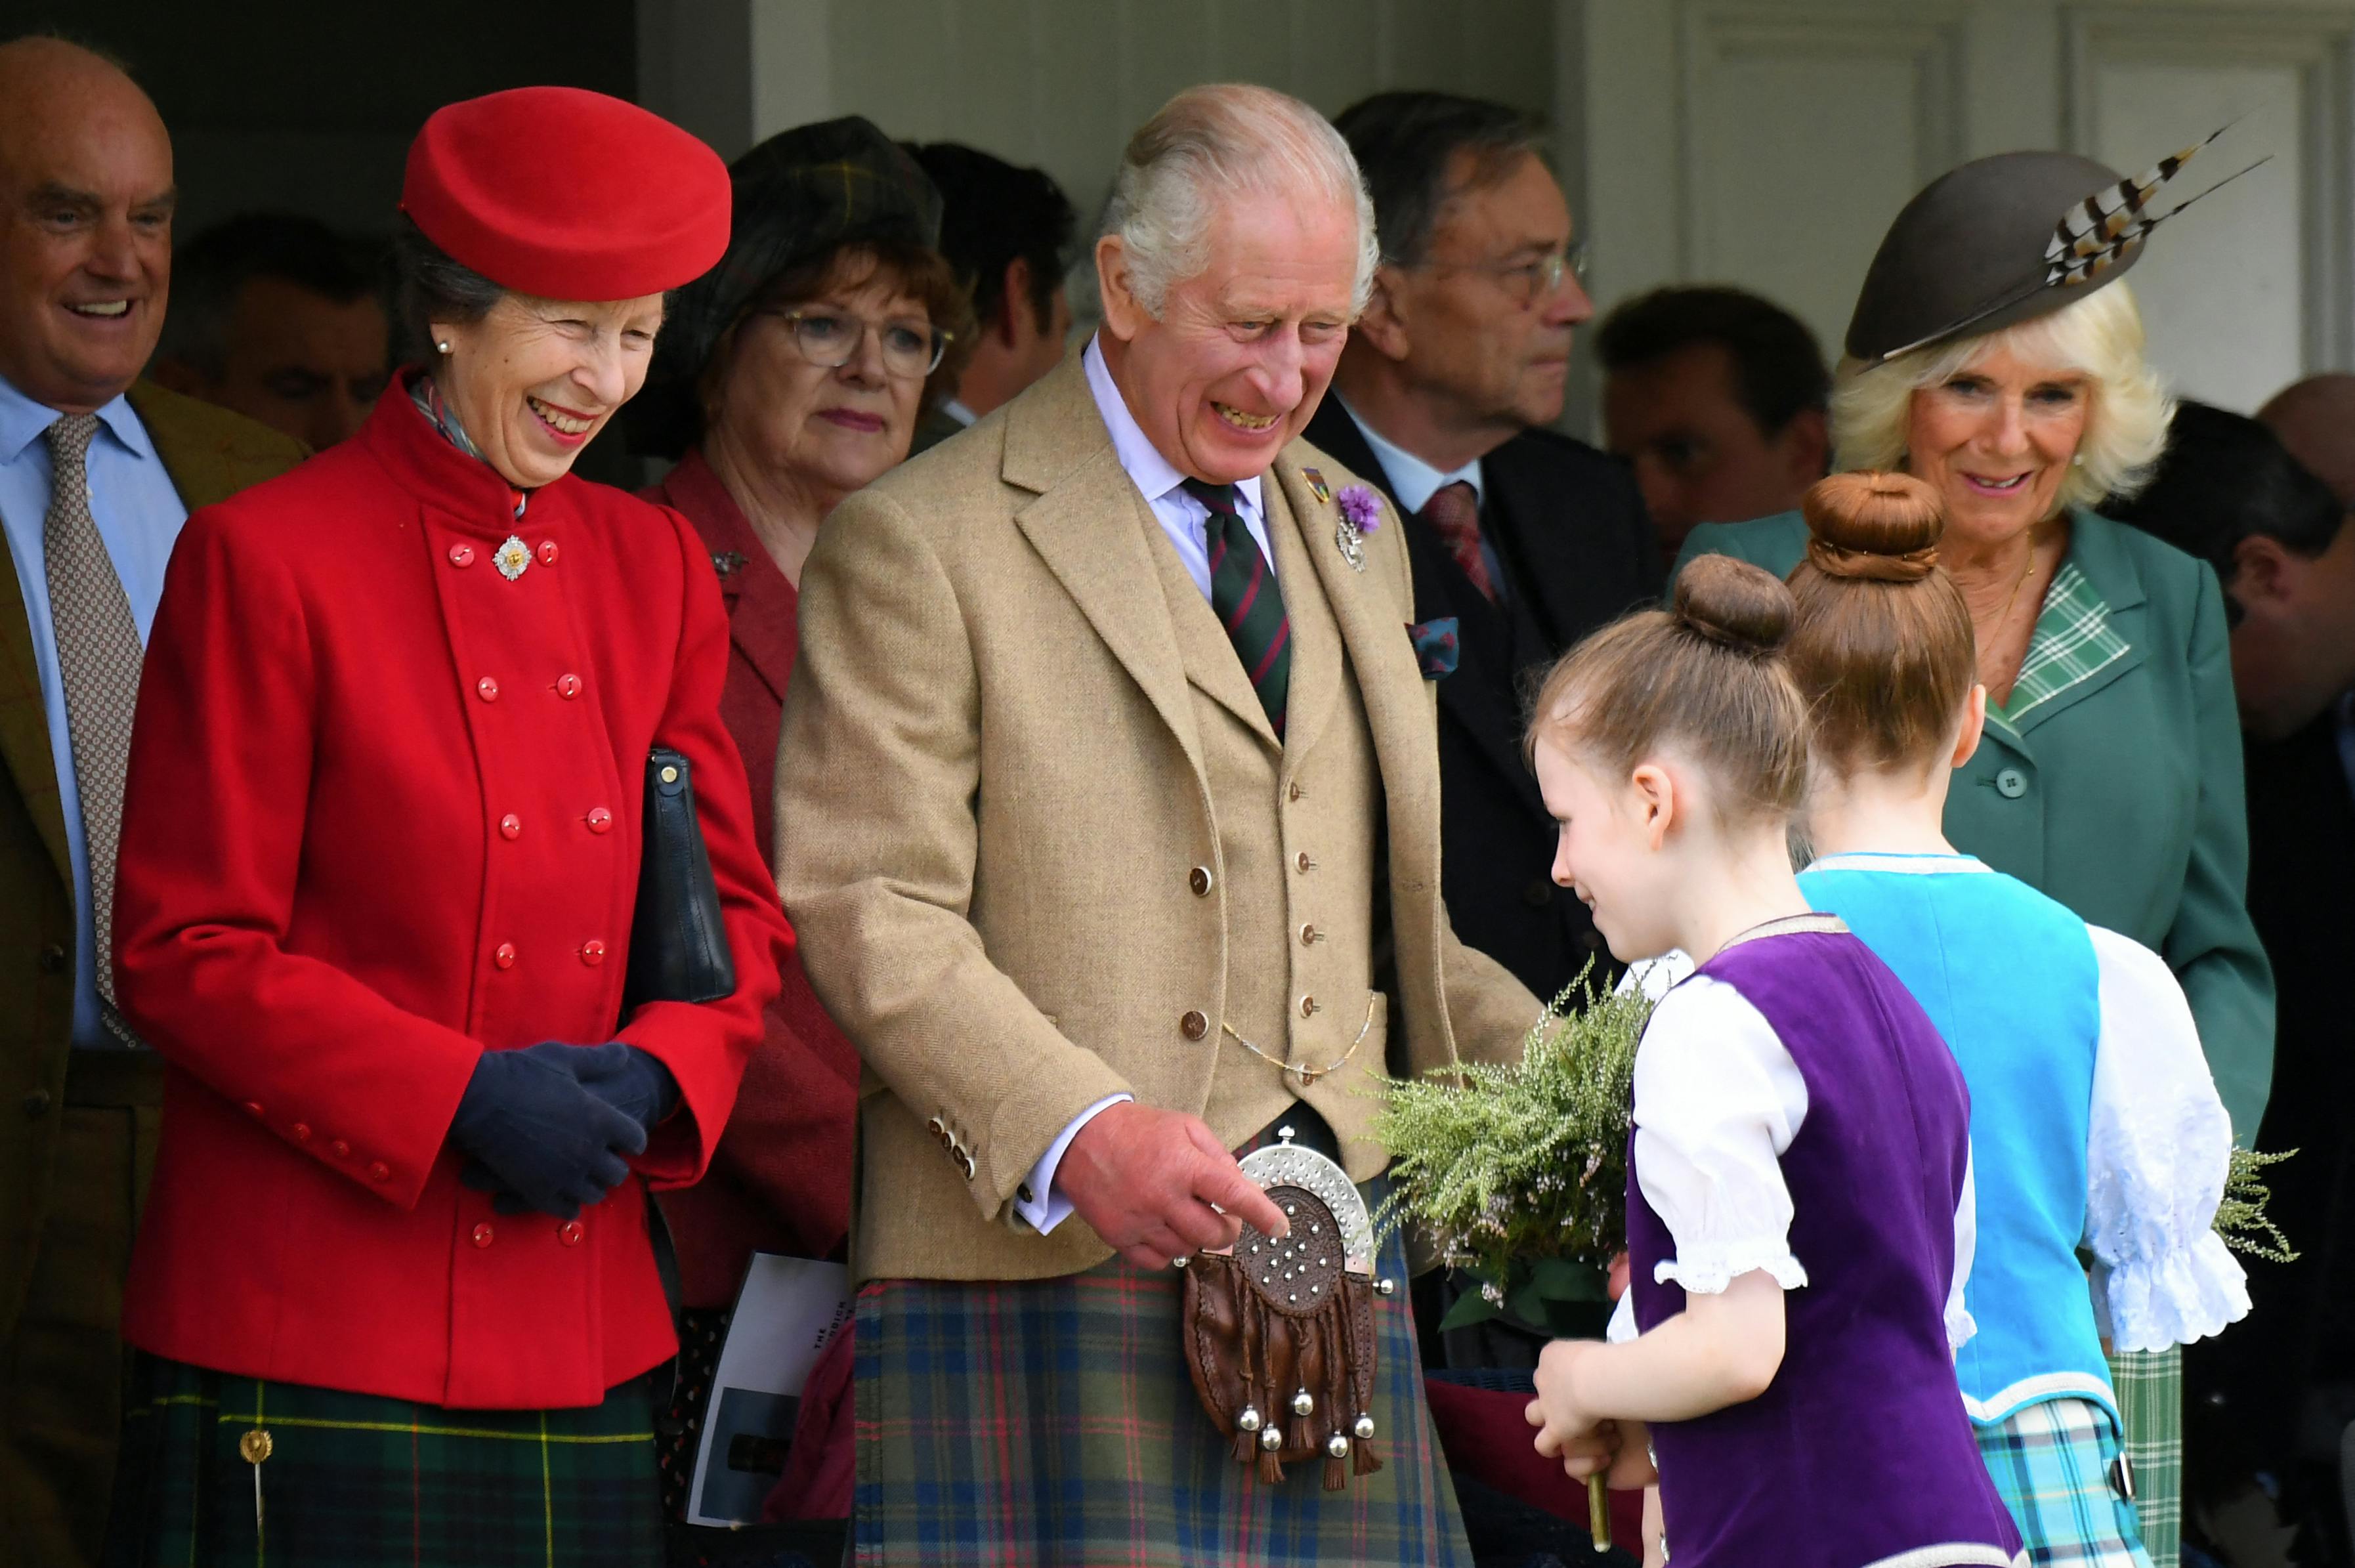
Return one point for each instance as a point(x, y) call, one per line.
point(2089, 1093)
point(1799, 1191)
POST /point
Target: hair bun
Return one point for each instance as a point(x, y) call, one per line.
point(1734, 604)
point(1880, 527)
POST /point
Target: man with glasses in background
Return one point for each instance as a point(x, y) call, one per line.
point(1528, 538)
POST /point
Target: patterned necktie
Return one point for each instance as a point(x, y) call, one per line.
point(1244, 595)
point(97, 662)
point(1453, 513)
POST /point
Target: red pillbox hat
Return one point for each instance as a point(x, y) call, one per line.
point(568, 194)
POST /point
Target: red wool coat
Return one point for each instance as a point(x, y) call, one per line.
point(383, 814)
point(780, 1179)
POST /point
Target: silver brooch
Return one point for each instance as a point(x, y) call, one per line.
point(512, 558)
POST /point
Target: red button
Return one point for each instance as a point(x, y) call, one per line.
point(568, 686)
point(487, 689)
point(547, 552)
point(462, 555)
point(482, 1235)
point(504, 955)
point(592, 952)
point(599, 819)
point(510, 825)
point(340, 1149)
point(301, 1133)
point(253, 1109)
point(570, 1233)
point(380, 1171)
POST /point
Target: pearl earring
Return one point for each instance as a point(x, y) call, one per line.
point(443, 346)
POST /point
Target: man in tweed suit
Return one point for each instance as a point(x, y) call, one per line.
point(1109, 773)
point(85, 256)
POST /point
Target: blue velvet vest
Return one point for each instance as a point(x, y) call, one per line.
point(2009, 977)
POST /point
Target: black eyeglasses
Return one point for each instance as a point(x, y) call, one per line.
point(831, 339)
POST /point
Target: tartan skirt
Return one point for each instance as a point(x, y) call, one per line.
point(2149, 1387)
point(1039, 1423)
point(2050, 1462)
point(362, 1481)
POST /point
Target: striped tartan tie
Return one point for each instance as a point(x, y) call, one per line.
point(1244, 595)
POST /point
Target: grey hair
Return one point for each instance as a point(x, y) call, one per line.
point(1207, 144)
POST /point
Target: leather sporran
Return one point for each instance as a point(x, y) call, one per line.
point(1280, 1334)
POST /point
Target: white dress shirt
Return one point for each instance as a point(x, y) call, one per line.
point(959, 413)
point(139, 516)
point(1184, 519)
point(1413, 481)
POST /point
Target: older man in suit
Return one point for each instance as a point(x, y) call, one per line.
point(1108, 771)
point(1528, 539)
point(96, 475)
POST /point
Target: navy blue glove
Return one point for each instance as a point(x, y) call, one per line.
point(539, 1139)
point(632, 1082)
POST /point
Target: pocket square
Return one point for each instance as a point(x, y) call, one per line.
point(1434, 647)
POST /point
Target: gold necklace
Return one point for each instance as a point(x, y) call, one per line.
point(2027, 571)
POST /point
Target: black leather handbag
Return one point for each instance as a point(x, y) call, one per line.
point(679, 947)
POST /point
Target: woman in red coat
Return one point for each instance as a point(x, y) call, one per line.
point(381, 845)
point(791, 374)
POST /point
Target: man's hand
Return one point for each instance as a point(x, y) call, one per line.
point(1147, 1180)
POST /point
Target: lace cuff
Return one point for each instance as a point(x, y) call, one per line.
point(1707, 1273)
point(1960, 1325)
point(2152, 1302)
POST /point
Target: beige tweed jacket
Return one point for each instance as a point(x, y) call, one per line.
point(992, 799)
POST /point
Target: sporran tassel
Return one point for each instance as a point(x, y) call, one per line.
point(1336, 1475)
point(1363, 1460)
point(1271, 1468)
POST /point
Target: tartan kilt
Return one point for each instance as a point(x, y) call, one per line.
point(1036, 1423)
point(363, 1481)
point(2051, 1463)
point(2149, 1387)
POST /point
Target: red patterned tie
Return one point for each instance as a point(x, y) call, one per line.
point(1453, 513)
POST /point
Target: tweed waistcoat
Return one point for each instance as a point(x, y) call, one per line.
point(1299, 933)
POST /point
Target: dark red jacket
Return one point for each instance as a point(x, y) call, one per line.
point(780, 1182)
point(383, 814)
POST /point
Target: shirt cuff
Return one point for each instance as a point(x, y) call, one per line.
point(1039, 1204)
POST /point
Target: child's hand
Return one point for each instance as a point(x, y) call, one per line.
point(1565, 1431)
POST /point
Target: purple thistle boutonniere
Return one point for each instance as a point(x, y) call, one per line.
point(1361, 514)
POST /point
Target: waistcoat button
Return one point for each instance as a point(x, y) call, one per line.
point(592, 952)
point(510, 825)
point(1199, 878)
point(568, 686)
point(487, 689)
point(599, 819)
point(1193, 1026)
point(504, 955)
point(53, 958)
point(482, 1235)
point(462, 555)
point(1308, 1007)
point(1303, 861)
point(570, 1233)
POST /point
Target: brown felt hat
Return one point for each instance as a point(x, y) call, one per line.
point(1969, 253)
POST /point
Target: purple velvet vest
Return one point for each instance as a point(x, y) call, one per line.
point(1859, 1449)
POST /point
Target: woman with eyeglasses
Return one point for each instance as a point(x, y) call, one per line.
point(789, 375)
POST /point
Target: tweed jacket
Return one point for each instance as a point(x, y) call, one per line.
point(997, 838)
point(209, 454)
point(2117, 789)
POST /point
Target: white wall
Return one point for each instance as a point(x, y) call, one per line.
point(1762, 142)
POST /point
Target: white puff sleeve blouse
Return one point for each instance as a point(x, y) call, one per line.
point(2158, 1150)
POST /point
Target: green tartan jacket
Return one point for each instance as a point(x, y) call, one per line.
point(209, 454)
point(2111, 780)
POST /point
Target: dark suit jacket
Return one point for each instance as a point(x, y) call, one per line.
point(1568, 525)
point(210, 454)
point(2302, 899)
